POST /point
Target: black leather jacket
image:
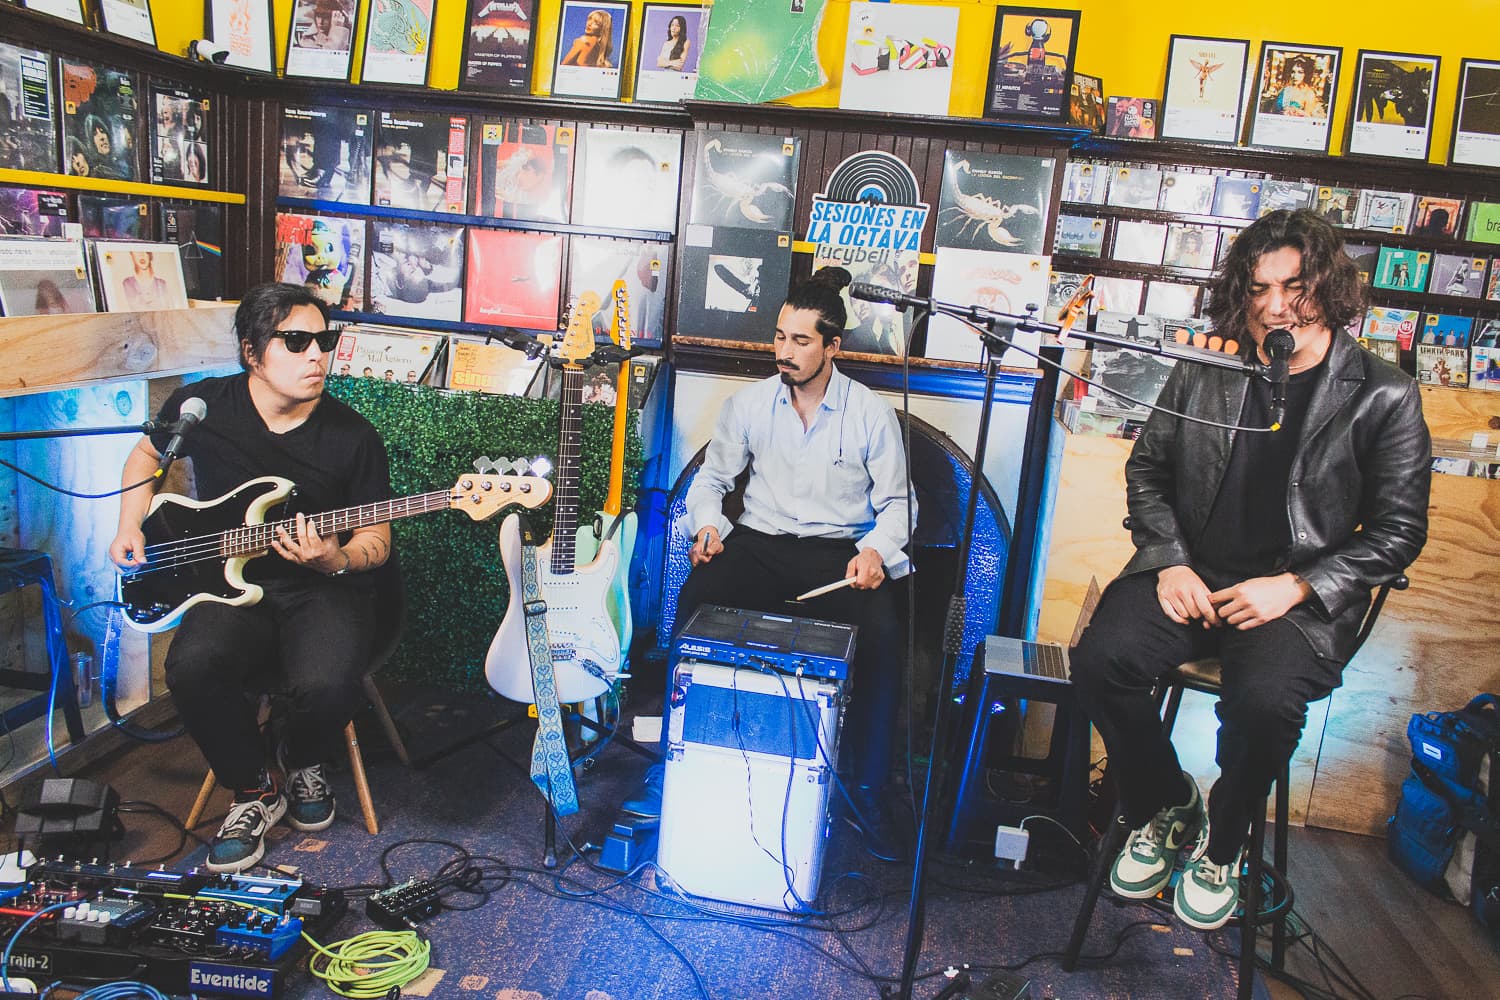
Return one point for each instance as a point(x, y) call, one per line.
point(1356, 495)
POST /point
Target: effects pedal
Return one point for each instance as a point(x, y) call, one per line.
point(1003, 986)
point(401, 906)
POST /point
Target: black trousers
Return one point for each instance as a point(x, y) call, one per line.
point(760, 572)
point(307, 642)
point(1270, 674)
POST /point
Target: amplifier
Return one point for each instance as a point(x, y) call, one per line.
point(739, 638)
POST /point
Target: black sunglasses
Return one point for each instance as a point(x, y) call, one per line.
point(297, 340)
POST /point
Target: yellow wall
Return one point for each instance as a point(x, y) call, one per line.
point(1124, 42)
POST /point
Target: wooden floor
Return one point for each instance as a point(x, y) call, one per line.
point(1400, 941)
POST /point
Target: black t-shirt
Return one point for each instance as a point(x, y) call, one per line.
point(335, 457)
point(1248, 532)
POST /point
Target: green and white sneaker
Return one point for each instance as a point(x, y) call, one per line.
point(1145, 866)
point(1208, 894)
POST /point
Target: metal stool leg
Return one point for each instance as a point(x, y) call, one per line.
point(1279, 855)
point(1109, 846)
point(1250, 902)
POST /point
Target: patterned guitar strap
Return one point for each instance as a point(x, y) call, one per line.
point(551, 766)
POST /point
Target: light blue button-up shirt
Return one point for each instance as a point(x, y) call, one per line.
point(844, 476)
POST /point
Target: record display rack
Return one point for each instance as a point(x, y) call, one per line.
point(100, 185)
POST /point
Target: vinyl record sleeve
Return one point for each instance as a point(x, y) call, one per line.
point(1277, 196)
point(1003, 282)
point(1402, 270)
point(106, 217)
point(1437, 217)
point(100, 120)
point(1134, 187)
point(1131, 117)
point(380, 352)
point(745, 179)
point(995, 201)
point(1337, 205)
point(525, 171)
point(1122, 295)
point(1397, 325)
point(1085, 183)
point(499, 45)
point(416, 270)
point(1079, 234)
point(1385, 211)
point(1061, 287)
point(28, 142)
point(596, 263)
point(1237, 197)
point(325, 154)
point(1171, 299)
point(1191, 246)
point(733, 282)
point(181, 124)
point(44, 277)
point(1457, 274)
point(198, 230)
point(880, 328)
point(1445, 366)
point(513, 278)
point(324, 253)
point(1139, 242)
point(32, 212)
point(628, 179)
point(420, 159)
point(1444, 330)
point(1188, 193)
point(138, 277)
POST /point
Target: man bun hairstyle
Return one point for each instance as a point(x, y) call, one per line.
point(265, 307)
point(822, 294)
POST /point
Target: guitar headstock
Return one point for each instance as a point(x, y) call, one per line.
point(482, 495)
point(619, 329)
point(578, 342)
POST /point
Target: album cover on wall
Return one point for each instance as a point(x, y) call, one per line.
point(525, 171)
point(1476, 118)
point(1492, 287)
point(27, 142)
point(899, 58)
point(1129, 380)
point(1293, 103)
point(995, 201)
point(745, 179)
point(513, 278)
point(596, 263)
point(1402, 270)
point(733, 282)
point(881, 328)
point(499, 44)
point(325, 154)
point(1085, 183)
point(668, 50)
point(1237, 197)
point(1484, 368)
point(1005, 283)
point(32, 212)
point(419, 161)
point(1205, 89)
point(1399, 326)
point(1445, 366)
point(42, 277)
point(1135, 187)
point(1386, 211)
point(1444, 330)
point(590, 49)
point(398, 42)
point(1337, 205)
point(1061, 287)
point(416, 270)
point(198, 231)
point(1131, 117)
point(1031, 63)
point(476, 366)
point(1079, 234)
point(180, 131)
point(1139, 242)
point(1190, 246)
point(320, 39)
point(100, 120)
point(1483, 224)
point(1394, 94)
point(1086, 102)
point(1437, 217)
point(111, 218)
point(139, 276)
point(1365, 256)
point(371, 351)
point(628, 180)
point(324, 253)
point(1276, 196)
point(1189, 193)
point(1171, 299)
point(1456, 274)
point(1122, 295)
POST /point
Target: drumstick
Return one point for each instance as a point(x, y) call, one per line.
point(826, 589)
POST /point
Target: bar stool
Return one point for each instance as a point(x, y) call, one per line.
point(20, 568)
point(1205, 676)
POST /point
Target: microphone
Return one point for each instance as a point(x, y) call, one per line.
point(189, 414)
point(894, 296)
point(1279, 345)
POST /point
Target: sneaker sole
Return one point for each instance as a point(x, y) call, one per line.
point(1202, 925)
point(309, 827)
point(1141, 892)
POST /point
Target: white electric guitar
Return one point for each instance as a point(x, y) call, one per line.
point(585, 643)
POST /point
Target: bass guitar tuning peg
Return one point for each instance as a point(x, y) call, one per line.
point(484, 466)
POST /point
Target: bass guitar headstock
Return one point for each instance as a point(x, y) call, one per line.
point(491, 488)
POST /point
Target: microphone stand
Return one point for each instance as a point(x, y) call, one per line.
point(149, 427)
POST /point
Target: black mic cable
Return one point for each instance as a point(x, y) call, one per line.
point(189, 414)
point(1279, 345)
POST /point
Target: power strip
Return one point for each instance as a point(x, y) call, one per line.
point(403, 906)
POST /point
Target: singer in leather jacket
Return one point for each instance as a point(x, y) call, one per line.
point(1259, 546)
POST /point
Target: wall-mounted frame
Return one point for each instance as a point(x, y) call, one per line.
point(1031, 63)
point(1394, 95)
point(246, 29)
point(128, 19)
point(499, 47)
point(1476, 117)
point(1205, 89)
point(68, 10)
point(398, 42)
point(320, 39)
point(590, 44)
point(666, 63)
point(1292, 106)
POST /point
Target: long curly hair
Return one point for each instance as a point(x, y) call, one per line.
point(1333, 292)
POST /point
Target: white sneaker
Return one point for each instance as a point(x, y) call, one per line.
point(1145, 866)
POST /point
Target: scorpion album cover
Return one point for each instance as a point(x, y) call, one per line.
point(525, 171)
point(745, 179)
point(994, 201)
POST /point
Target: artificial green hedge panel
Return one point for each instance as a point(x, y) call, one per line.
point(455, 585)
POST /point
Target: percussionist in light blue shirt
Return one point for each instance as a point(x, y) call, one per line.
point(827, 500)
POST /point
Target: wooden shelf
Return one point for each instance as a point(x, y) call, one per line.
point(44, 353)
point(42, 179)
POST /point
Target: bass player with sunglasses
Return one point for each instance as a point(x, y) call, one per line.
point(314, 621)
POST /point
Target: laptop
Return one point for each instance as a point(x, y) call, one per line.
point(1046, 661)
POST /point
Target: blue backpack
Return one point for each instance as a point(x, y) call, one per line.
point(1446, 830)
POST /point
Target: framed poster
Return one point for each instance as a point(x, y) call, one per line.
point(1031, 63)
point(1476, 119)
point(398, 42)
point(180, 131)
point(244, 28)
point(1293, 105)
point(1393, 100)
point(128, 19)
point(320, 39)
point(1205, 89)
point(499, 47)
point(666, 67)
point(68, 10)
point(590, 45)
point(899, 58)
